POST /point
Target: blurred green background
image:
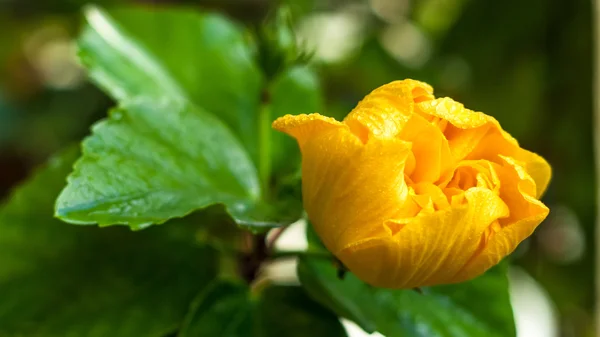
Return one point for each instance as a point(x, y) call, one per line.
point(527, 63)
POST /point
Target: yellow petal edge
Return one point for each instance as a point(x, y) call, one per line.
point(411, 190)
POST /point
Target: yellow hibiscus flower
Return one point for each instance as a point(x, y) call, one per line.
point(412, 190)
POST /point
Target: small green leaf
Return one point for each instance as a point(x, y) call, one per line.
point(68, 281)
point(228, 309)
point(155, 160)
point(480, 307)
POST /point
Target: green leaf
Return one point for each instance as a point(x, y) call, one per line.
point(228, 309)
point(224, 309)
point(154, 160)
point(295, 91)
point(63, 281)
point(480, 307)
point(165, 152)
point(289, 311)
point(176, 53)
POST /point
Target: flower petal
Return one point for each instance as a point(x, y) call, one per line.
point(474, 135)
point(454, 112)
point(465, 128)
point(537, 167)
point(428, 195)
point(303, 127)
point(497, 143)
point(526, 213)
point(475, 173)
point(386, 109)
point(375, 261)
point(350, 188)
point(433, 160)
point(430, 248)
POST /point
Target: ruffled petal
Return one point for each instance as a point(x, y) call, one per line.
point(350, 188)
point(454, 112)
point(433, 160)
point(475, 173)
point(526, 213)
point(474, 135)
point(385, 111)
point(537, 167)
point(464, 141)
point(429, 197)
point(429, 249)
point(497, 143)
point(464, 128)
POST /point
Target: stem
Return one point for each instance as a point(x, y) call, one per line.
point(596, 87)
point(273, 240)
point(250, 263)
point(309, 253)
point(258, 285)
point(264, 145)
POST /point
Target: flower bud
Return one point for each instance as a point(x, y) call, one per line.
point(278, 48)
point(412, 190)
